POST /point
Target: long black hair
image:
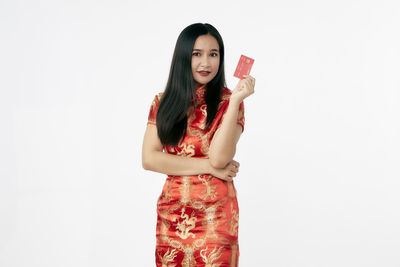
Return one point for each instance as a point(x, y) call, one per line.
point(180, 91)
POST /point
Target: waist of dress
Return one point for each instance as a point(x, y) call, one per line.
point(205, 179)
point(205, 175)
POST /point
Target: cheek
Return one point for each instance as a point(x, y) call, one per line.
point(216, 65)
point(194, 65)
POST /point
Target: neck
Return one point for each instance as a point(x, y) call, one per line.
point(198, 84)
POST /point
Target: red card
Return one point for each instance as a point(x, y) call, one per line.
point(243, 67)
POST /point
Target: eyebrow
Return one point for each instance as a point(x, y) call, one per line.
point(202, 50)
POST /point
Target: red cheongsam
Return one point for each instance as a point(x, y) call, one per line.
point(197, 215)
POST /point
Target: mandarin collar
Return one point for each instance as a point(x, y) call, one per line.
point(200, 94)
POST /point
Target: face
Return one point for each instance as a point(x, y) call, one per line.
point(205, 59)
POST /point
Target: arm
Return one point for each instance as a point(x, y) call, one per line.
point(154, 159)
point(223, 145)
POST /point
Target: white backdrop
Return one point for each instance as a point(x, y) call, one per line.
point(319, 178)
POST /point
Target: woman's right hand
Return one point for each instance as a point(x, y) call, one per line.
point(244, 88)
point(228, 172)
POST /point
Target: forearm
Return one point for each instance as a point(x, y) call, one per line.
point(170, 164)
point(223, 147)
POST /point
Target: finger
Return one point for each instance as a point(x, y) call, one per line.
point(234, 167)
point(236, 163)
point(253, 81)
point(247, 78)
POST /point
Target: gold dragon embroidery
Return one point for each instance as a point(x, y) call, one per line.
point(185, 189)
point(186, 150)
point(164, 229)
point(210, 189)
point(203, 109)
point(233, 221)
point(211, 222)
point(212, 257)
point(188, 260)
point(186, 225)
point(168, 257)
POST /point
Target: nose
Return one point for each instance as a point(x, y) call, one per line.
point(204, 60)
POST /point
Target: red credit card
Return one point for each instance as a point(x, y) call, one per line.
point(243, 67)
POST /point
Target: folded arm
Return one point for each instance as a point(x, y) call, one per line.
point(154, 159)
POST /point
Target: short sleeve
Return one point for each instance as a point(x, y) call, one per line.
point(153, 110)
point(240, 119)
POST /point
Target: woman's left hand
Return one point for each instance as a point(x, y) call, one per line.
point(244, 88)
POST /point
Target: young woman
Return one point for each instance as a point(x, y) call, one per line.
point(192, 131)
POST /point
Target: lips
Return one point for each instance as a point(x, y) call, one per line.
point(204, 73)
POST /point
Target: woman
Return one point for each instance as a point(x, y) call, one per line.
point(192, 131)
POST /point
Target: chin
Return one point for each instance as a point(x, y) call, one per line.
point(204, 81)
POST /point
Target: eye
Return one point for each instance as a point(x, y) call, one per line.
point(214, 54)
point(195, 53)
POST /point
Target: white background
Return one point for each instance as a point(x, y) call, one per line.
point(319, 179)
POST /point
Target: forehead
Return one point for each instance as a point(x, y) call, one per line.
point(207, 42)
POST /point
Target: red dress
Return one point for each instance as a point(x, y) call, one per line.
point(197, 215)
